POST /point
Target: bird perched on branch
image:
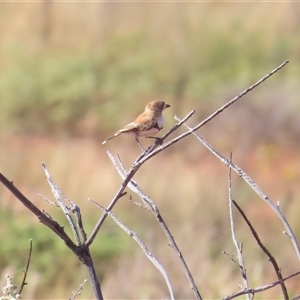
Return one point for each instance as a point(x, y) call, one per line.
point(149, 123)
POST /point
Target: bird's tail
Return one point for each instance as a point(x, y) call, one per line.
point(116, 134)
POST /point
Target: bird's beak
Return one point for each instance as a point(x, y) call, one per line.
point(167, 105)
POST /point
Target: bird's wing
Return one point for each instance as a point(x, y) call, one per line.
point(131, 127)
point(143, 122)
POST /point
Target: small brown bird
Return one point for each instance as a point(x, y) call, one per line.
point(149, 123)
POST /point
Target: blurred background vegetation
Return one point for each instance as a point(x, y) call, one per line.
point(73, 73)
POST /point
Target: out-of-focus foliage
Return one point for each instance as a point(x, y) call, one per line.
point(49, 252)
point(58, 82)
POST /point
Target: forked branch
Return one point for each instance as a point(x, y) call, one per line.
point(265, 250)
point(148, 254)
point(135, 167)
point(213, 115)
point(260, 288)
point(154, 209)
point(254, 186)
point(238, 247)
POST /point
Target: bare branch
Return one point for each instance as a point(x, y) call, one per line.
point(140, 205)
point(148, 201)
point(58, 196)
point(78, 291)
point(267, 252)
point(238, 248)
point(27, 267)
point(143, 247)
point(49, 201)
point(135, 167)
point(83, 254)
point(217, 112)
point(259, 289)
point(76, 211)
point(254, 186)
point(43, 218)
point(231, 257)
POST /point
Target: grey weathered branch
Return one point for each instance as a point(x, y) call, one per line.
point(213, 115)
point(254, 186)
point(135, 167)
point(266, 251)
point(58, 195)
point(82, 253)
point(154, 209)
point(259, 289)
point(78, 291)
point(238, 247)
point(42, 217)
point(148, 254)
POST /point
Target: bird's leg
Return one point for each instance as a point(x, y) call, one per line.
point(158, 140)
point(137, 140)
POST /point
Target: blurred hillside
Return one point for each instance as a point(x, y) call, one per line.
point(72, 67)
point(73, 73)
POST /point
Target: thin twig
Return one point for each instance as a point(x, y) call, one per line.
point(143, 247)
point(27, 267)
point(78, 291)
point(213, 115)
point(259, 289)
point(254, 186)
point(42, 217)
point(58, 196)
point(140, 205)
point(49, 201)
point(237, 246)
point(267, 252)
point(83, 254)
point(149, 202)
point(122, 172)
point(231, 257)
point(135, 167)
point(76, 211)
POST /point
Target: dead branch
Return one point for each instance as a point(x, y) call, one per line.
point(78, 291)
point(42, 217)
point(154, 209)
point(267, 252)
point(259, 289)
point(26, 268)
point(213, 115)
point(254, 186)
point(238, 247)
point(148, 254)
point(135, 167)
point(82, 253)
point(58, 195)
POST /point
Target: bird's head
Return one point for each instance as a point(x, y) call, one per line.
point(156, 106)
